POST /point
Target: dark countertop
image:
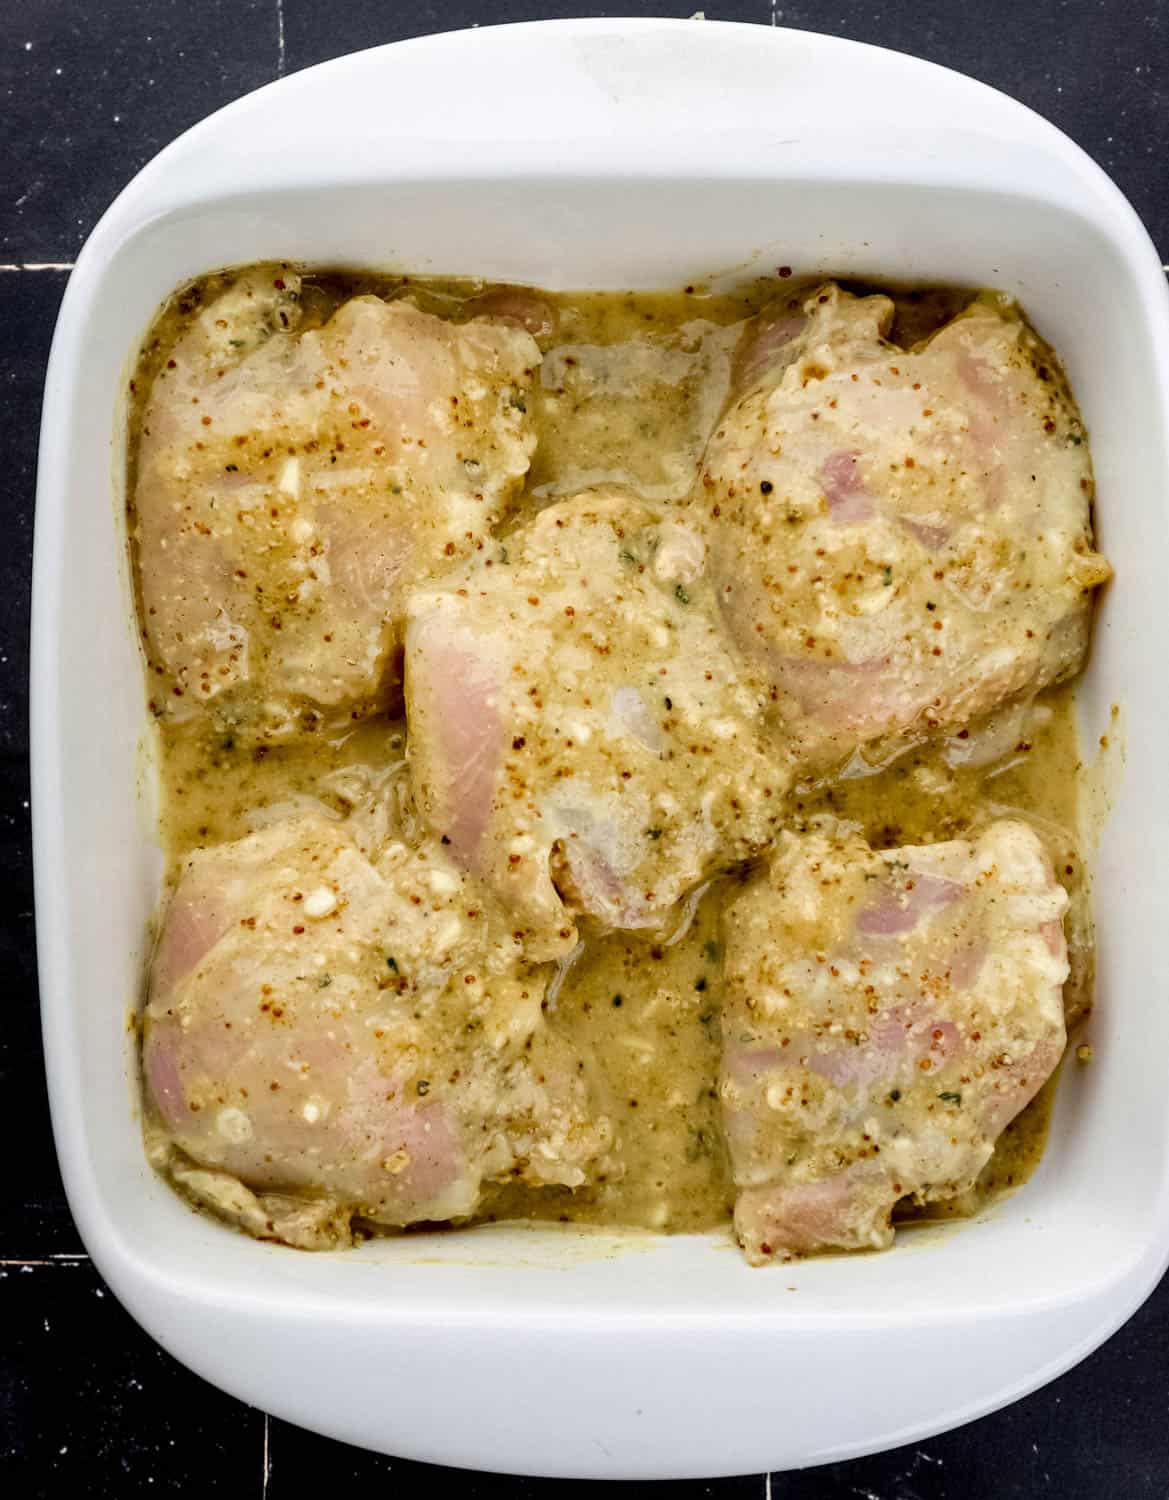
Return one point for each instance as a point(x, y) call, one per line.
point(88, 1404)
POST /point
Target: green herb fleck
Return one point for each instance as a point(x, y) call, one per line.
point(391, 964)
point(713, 952)
point(700, 985)
point(503, 554)
point(887, 577)
point(631, 559)
point(517, 404)
point(231, 468)
point(324, 981)
point(681, 595)
point(653, 833)
point(949, 1097)
point(894, 1095)
point(423, 1085)
point(617, 1002)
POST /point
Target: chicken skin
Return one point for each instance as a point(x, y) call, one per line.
point(901, 540)
point(886, 1016)
point(580, 734)
point(330, 1036)
point(292, 483)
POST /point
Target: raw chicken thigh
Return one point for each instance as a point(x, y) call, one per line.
point(901, 541)
point(580, 734)
point(886, 1015)
point(330, 1036)
point(291, 485)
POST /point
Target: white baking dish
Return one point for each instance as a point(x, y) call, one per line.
point(611, 153)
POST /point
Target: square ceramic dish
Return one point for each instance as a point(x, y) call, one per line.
point(605, 154)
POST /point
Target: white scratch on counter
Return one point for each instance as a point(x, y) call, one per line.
point(280, 38)
point(267, 1460)
point(38, 265)
point(50, 1260)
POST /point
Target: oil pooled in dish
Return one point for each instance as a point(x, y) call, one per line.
point(617, 751)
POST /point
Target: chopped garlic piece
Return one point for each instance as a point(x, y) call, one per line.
point(320, 903)
point(290, 478)
point(233, 1125)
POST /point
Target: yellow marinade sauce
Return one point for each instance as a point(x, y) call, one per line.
point(630, 386)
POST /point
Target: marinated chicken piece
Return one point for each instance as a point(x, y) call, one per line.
point(901, 540)
point(329, 1036)
point(291, 485)
point(886, 1016)
point(580, 734)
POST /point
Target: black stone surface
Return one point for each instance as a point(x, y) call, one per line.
point(34, 1219)
point(89, 1406)
point(92, 1407)
point(92, 91)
